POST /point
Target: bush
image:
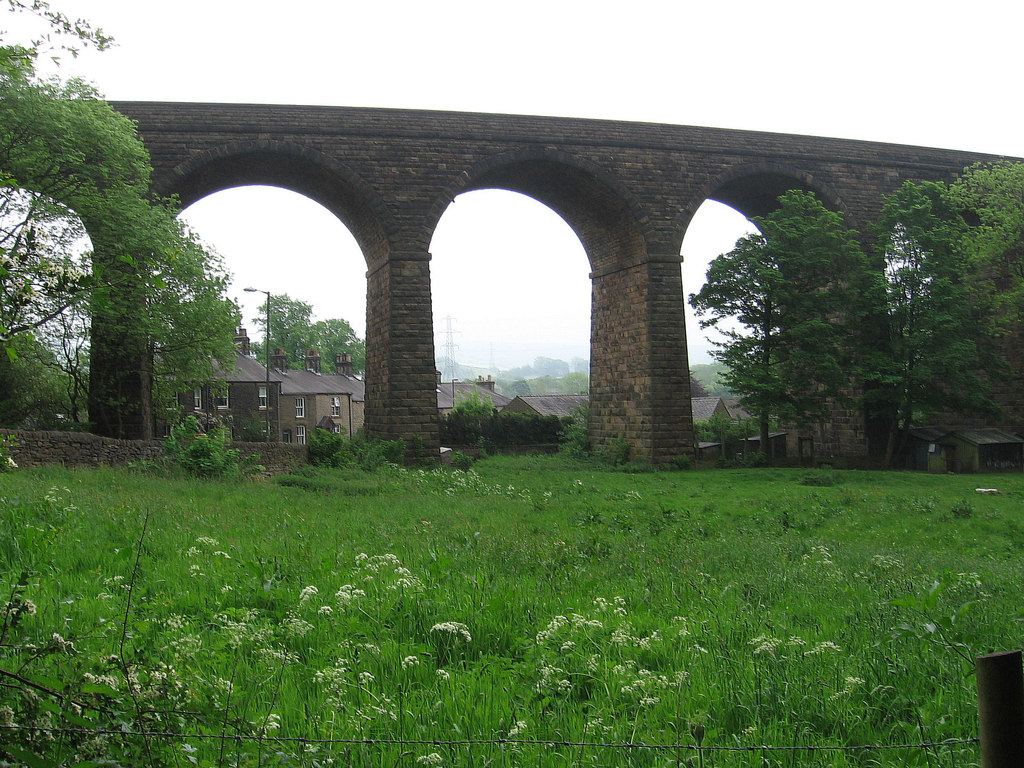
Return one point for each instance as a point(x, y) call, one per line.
point(474, 421)
point(616, 452)
point(575, 435)
point(201, 454)
point(328, 449)
point(462, 461)
point(325, 448)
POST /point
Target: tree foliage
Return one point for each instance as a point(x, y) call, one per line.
point(991, 198)
point(293, 329)
point(933, 348)
point(70, 164)
point(789, 287)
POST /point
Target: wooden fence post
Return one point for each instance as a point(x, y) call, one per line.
point(1001, 709)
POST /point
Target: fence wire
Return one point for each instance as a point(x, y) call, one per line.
point(267, 740)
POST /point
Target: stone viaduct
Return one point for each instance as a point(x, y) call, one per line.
point(628, 190)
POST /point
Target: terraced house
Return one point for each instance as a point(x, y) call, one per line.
point(292, 402)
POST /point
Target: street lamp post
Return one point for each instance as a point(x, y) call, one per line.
point(266, 344)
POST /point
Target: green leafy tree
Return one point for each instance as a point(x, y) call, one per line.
point(69, 161)
point(293, 329)
point(789, 288)
point(991, 198)
point(574, 384)
point(934, 345)
point(334, 337)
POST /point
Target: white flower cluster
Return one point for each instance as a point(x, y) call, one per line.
point(387, 570)
point(455, 629)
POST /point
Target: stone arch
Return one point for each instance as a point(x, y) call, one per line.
point(639, 387)
point(753, 189)
point(292, 167)
point(609, 221)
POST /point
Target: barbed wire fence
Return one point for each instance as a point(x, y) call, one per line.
point(689, 749)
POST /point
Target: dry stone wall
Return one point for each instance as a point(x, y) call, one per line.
point(81, 449)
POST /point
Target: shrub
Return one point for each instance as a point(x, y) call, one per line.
point(327, 449)
point(462, 461)
point(201, 454)
point(575, 436)
point(7, 463)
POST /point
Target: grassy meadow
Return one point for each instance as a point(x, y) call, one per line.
point(531, 612)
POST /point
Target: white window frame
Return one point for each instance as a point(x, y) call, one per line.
point(335, 406)
point(197, 398)
point(223, 399)
point(300, 407)
point(300, 434)
point(261, 396)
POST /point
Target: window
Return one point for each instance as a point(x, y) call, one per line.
point(197, 399)
point(222, 399)
point(300, 408)
point(337, 429)
point(300, 435)
point(335, 406)
point(263, 397)
point(286, 436)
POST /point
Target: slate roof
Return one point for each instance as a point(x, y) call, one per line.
point(704, 407)
point(988, 436)
point(554, 405)
point(975, 435)
point(249, 369)
point(463, 391)
point(311, 383)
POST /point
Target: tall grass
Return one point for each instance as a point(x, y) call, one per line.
point(514, 615)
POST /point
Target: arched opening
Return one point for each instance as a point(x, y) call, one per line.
point(276, 240)
point(713, 230)
point(511, 295)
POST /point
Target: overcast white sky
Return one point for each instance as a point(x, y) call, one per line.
point(933, 73)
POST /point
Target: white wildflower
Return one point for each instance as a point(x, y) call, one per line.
point(453, 628)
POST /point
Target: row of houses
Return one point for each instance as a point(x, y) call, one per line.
point(290, 404)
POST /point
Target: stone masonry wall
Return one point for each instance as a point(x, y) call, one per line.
point(80, 449)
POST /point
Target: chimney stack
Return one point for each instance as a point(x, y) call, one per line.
point(279, 360)
point(487, 383)
point(242, 341)
point(313, 360)
point(343, 364)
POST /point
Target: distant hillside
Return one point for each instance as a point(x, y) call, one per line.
point(709, 375)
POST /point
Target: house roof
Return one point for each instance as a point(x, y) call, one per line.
point(554, 405)
point(248, 369)
point(704, 407)
point(312, 383)
point(975, 435)
point(736, 411)
point(987, 436)
point(929, 434)
point(465, 390)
